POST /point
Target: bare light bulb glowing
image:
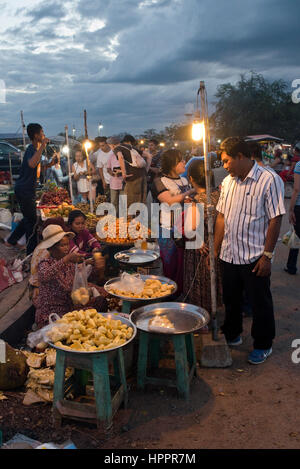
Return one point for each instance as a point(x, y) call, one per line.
point(65, 150)
point(87, 145)
point(197, 131)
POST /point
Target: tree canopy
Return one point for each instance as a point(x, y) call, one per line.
point(256, 106)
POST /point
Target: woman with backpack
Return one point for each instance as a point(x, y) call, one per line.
point(134, 170)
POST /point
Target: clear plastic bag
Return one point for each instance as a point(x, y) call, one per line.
point(294, 241)
point(48, 333)
point(286, 237)
point(17, 270)
point(130, 283)
point(291, 240)
point(80, 292)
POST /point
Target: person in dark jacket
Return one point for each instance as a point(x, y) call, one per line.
point(25, 188)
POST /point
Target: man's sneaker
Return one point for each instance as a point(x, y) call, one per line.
point(237, 341)
point(258, 356)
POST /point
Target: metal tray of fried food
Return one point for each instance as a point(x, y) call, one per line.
point(116, 245)
point(110, 283)
point(113, 316)
point(185, 318)
point(136, 256)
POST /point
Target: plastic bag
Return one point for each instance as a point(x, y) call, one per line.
point(57, 332)
point(130, 283)
point(80, 292)
point(291, 240)
point(17, 270)
point(5, 216)
point(294, 241)
point(286, 237)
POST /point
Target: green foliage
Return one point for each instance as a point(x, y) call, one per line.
point(153, 133)
point(170, 134)
point(256, 106)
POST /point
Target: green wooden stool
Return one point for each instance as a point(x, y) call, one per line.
point(185, 361)
point(126, 307)
point(97, 364)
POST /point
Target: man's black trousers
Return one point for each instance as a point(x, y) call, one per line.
point(27, 225)
point(236, 279)
point(293, 254)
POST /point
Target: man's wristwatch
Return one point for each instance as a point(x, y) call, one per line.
point(269, 255)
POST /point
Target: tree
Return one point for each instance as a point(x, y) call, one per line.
point(181, 132)
point(255, 105)
point(153, 133)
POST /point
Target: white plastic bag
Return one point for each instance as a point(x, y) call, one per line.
point(130, 283)
point(17, 270)
point(5, 216)
point(80, 292)
point(291, 240)
point(34, 338)
point(80, 278)
point(294, 241)
point(286, 237)
point(94, 292)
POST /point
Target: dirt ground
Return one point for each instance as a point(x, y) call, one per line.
point(243, 406)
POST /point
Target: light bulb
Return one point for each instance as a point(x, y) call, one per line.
point(197, 131)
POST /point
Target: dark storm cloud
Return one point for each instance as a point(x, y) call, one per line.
point(268, 39)
point(135, 64)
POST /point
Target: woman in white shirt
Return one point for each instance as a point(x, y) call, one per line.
point(80, 171)
point(170, 188)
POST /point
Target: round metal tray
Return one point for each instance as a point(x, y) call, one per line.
point(115, 317)
point(110, 282)
point(136, 256)
point(185, 317)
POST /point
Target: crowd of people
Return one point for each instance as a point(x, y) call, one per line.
point(247, 208)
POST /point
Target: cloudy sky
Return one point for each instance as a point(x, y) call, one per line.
point(135, 64)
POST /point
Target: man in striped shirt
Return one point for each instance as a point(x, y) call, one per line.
point(250, 209)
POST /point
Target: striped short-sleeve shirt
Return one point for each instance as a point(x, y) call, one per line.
point(248, 206)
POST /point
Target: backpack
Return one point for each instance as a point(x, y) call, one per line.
point(137, 160)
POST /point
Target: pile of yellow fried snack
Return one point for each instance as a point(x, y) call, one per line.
point(152, 289)
point(88, 331)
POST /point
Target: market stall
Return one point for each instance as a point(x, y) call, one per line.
point(89, 351)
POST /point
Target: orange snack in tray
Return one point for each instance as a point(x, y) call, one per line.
point(120, 226)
